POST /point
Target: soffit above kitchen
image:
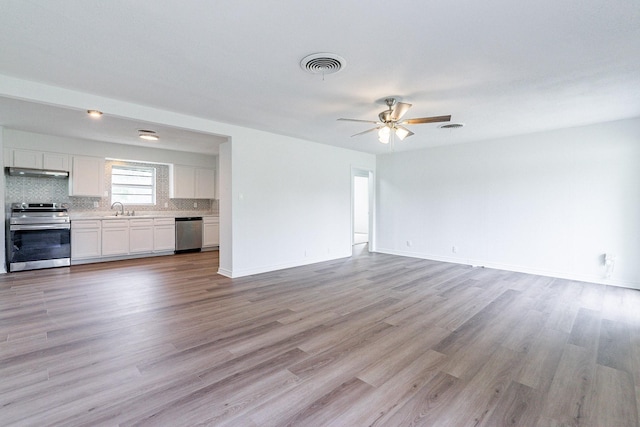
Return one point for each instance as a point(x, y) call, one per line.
point(501, 68)
point(76, 123)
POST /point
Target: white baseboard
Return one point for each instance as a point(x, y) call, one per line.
point(515, 268)
point(274, 267)
point(226, 273)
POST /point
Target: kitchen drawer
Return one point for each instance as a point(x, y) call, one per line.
point(211, 219)
point(141, 222)
point(164, 221)
point(115, 223)
point(78, 224)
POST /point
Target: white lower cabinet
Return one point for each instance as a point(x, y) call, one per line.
point(164, 234)
point(210, 232)
point(141, 233)
point(94, 240)
point(86, 239)
point(115, 237)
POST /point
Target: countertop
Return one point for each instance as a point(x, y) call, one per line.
point(142, 214)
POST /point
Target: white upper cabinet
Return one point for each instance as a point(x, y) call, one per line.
point(188, 182)
point(205, 187)
point(38, 160)
point(55, 161)
point(87, 176)
point(182, 182)
point(26, 159)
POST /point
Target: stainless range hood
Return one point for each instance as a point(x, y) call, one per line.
point(37, 173)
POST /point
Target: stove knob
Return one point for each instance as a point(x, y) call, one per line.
point(24, 206)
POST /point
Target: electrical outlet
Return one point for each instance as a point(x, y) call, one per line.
point(409, 243)
point(96, 204)
point(166, 205)
point(454, 249)
point(195, 204)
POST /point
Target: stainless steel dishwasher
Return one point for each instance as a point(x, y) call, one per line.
point(189, 234)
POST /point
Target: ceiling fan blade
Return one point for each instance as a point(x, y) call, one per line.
point(399, 109)
point(366, 131)
point(407, 133)
point(418, 121)
point(358, 120)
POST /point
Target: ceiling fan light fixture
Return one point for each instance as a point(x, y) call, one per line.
point(148, 135)
point(402, 133)
point(383, 134)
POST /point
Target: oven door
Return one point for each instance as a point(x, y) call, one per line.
point(33, 246)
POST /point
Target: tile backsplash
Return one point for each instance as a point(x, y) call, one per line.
point(49, 190)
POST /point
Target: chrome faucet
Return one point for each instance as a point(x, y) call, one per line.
point(121, 207)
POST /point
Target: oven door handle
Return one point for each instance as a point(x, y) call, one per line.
point(36, 227)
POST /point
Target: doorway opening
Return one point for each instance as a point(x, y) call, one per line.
point(362, 208)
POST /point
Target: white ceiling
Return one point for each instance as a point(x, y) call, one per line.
point(500, 67)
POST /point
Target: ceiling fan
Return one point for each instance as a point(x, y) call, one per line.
point(390, 120)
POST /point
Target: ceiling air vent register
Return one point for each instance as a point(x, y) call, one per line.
point(322, 63)
point(451, 126)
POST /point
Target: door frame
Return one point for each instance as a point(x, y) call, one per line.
point(367, 173)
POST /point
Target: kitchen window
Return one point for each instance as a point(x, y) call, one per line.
point(133, 185)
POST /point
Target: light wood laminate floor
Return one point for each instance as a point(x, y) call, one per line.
point(372, 340)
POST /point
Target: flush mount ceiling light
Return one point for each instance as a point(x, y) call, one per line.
point(94, 113)
point(148, 135)
point(322, 63)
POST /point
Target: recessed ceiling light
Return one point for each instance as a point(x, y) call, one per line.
point(451, 126)
point(148, 135)
point(94, 113)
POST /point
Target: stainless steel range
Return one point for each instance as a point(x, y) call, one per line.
point(38, 236)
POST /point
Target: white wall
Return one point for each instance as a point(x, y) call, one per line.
point(225, 266)
point(291, 201)
point(550, 203)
